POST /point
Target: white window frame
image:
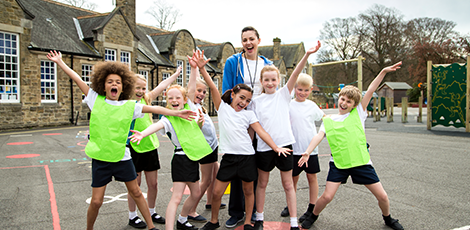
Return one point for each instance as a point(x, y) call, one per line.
point(179, 79)
point(188, 72)
point(216, 82)
point(48, 81)
point(9, 68)
point(145, 73)
point(86, 76)
point(110, 54)
point(126, 58)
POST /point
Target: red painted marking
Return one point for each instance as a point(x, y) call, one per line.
point(51, 134)
point(55, 213)
point(23, 156)
point(82, 143)
point(20, 143)
point(271, 226)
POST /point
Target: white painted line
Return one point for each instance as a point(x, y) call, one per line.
point(463, 228)
point(22, 135)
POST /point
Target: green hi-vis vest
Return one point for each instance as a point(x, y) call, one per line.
point(109, 127)
point(190, 137)
point(148, 143)
point(347, 141)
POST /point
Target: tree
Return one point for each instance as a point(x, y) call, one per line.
point(165, 14)
point(81, 3)
point(430, 29)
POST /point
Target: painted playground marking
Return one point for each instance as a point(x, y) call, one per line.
point(115, 198)
point(22, 135)
point(270, 225)
point(62, 160)
point(26, 155)
point(463, 228)
point(20, 143)
point(51, 134)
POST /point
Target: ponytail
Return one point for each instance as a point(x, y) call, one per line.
point(227, 96)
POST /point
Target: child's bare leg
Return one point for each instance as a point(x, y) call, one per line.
point(263, 179)
point(130, 201)
point(178, 189)
point(379, 193)
point(249, 199)
point(206, 181)
point(134, 190)
point(193, 197)
point(295, 179)
point(97, 196)
point(288, 184)
point(312, 187)
point(152, 182)
point(326, 197)
point(218, 192)
point(210, 189)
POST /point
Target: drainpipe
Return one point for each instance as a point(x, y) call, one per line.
point(155, 67)
point(71, 92)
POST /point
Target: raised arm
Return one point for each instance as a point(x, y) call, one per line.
point(199, 57)
point(300, 66)
point(185, 114)
point(376, 82)
point(164, 84)
point(267, 138)
point(57, 58)
point(153, 128)
point(192, 77)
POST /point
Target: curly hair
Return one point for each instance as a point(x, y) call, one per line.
point(103, 69)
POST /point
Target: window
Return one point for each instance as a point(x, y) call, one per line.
point(109, 55)
point(86, 73)
point(126, 58)
point(188, 72)
point(179, 79)
point(48, 82)
point(145, 73)
point(9, 68)
point(216, 82)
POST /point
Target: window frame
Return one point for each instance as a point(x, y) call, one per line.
point(9, 86)
point(52, 74)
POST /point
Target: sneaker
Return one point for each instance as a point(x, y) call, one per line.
point(209, 207)
point(153, 229)
point(304, 216)
point(233, 221)
point(394, 224)
point(311, 218)
point(197, 218)
point(248, 227)
point(210, 226)
point(258, 225)
point(137, 223)
point(185, 226)
point(158, 219)
point(294, 228)
point(285, 212)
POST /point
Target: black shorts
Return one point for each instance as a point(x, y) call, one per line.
point(211, 158)
point(147, 161)
point(313, 165)
point(183, 169)
point(364, 174)
point(237, 166)
point(102, 172)
point(266, 161)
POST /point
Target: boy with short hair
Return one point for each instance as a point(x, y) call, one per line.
point(350, 157)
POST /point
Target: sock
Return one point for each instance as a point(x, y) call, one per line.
point(293, 222)
point(132, 215)
point(182, 220)
point(310, 207)
point(152, 211)
point(259, 216)
point(387, 219)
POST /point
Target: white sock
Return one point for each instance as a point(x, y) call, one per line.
point(293, 222)
point(132, 215)
point(182, 220)
point(152, 211)
point(259, 216)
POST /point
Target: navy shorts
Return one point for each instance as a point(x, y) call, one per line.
point(266, 161)
point(364, 174)
point(313, 165)
point(147, 161)
point(102, 172)
point(183, 169)
point(237, 167)
point(211, 158)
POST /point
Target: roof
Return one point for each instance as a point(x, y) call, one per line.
point(147, 49)
point(288, 52)
point(396, 85)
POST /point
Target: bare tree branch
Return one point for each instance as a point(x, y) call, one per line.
point(165, 14)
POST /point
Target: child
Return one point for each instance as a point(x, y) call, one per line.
point(351, 157)
point(111, 116)
point(272, 110)
point(190, 146)
point(235, 142)
point(209, 165)
point(145, 155)
point(303, 114)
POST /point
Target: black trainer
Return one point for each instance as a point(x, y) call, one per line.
point(259, 225)
point(285, 212)
point(185, 226)
point(248, 227)
point(294, 228)
point(394, 224)
point(137, 223)
point(304, 216)
point(158, 219)
point(210, 226)
point(311, 218)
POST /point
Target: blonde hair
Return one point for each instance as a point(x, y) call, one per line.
point(304, 80)
point(269, 68)
point(146, 96)
point(352, 92)
point(202, 82)
point(181, 89)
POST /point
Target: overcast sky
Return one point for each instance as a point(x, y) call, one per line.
point(293, 21)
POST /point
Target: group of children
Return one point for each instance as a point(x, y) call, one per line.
point(285, 137)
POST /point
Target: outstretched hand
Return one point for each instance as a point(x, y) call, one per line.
point(314, 49)
point(54, 56)
point(304, 159)
point(283, 151)
point(201, 119)
point(198, 56)
point(137, 136)
point(187, 114)
point(393, 67)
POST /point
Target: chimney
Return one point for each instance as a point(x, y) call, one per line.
point(128, 9)
point(277, 48)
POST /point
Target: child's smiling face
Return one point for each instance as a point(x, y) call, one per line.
point(241, 100)
point(200, 93)
point(302, 92)
point(270, 81)
point(175, 99)
point(113, 87)
point(140, 89)
point(345, 104)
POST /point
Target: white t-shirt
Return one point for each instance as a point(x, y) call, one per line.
point(170, 131)
point(233, 130)
point(254, 71)
point(336, 117)
point(90, 100)
point(272, 111)
point(302, 118)
point(208, 129)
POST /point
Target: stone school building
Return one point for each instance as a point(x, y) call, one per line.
point(34, 92)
